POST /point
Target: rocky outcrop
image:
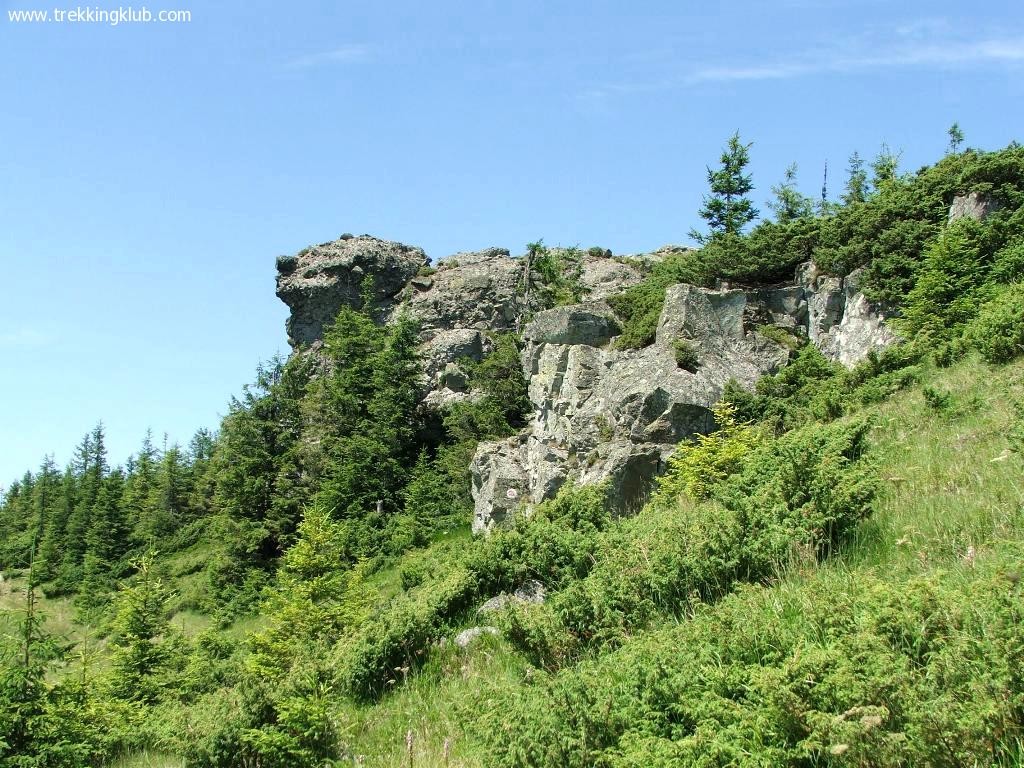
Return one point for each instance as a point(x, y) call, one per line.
point(467, 637)
point(603, 414)
point(973, 205)
point(318, 281)
point(600, 414)
point(530, 592)
point(479, 291)
point(841, 322)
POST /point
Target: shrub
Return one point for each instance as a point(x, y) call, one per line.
point(998, 331)
point(686, 355)
point(697, 467)
point(844, 670)
point(798, 494)
point(951, 277)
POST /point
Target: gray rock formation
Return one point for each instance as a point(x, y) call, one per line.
point(840, 320)
point(972, 206)
point(318, 281)
point(607, 414)
point(479, 291)
point(604, 276)
point(600, 413)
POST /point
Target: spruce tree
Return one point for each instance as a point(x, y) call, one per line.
point(106, 542)
point(884, 167)
point(789, 204)
point(139, 488)
point(140, 634)
point(856, 181)
point(727, 209)
point(956, 138)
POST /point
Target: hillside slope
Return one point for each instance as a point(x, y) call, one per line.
point(715, 544)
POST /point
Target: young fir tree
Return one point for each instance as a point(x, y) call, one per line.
point(51, 547)
point(140, 634)
point(788, 203)
point(45, 497)
point(727, 209)
point(202, 478)
point(884, 167)
point(91, 467)
point(139, 488)
point(364, 417)
point(256, 464)
point(23, 689)
point(956, 138)
point(167, 506)
point(106, 542)
point(856, 181)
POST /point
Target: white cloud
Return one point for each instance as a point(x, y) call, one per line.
point(910, 48)
point(345, 53)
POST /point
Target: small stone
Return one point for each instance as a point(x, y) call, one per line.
point(467, 636)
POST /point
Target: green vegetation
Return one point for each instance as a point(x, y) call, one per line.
point(555, 275)
point(831, 577)
point(686, 354)
point(889, 225)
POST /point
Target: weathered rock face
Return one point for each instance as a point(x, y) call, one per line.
point(600, 413)
point(605, 276)
point(480, 291)
point(972, 206)
point(318, 281)
point(616, 415)
point(840, 320)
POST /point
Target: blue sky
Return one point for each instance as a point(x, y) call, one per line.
point(150, 173)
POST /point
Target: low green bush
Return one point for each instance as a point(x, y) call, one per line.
point(686, 354)
point(840, 671)
point(798, 495)
point(998, 331)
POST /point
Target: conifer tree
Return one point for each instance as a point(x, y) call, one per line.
point(167, 506)
point(884, 167)
point(140, 631)
point(856, 181)
point(727, 209)
point(789, 204)
point(956, 138)
point(139, 488)
point(106, 542)
point(51, 548)
point(22, 683)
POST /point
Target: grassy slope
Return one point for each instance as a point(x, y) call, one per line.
point(951, 507)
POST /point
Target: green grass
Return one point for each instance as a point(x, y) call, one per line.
point(951, 481)
point(451, 689)
point(148, 760)
point(951, 510)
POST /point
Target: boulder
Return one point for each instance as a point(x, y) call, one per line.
point(449, 346)
point(318, 281)
point(592, 323)
point(973, 205)
point(466, 637)
point(530, 592)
